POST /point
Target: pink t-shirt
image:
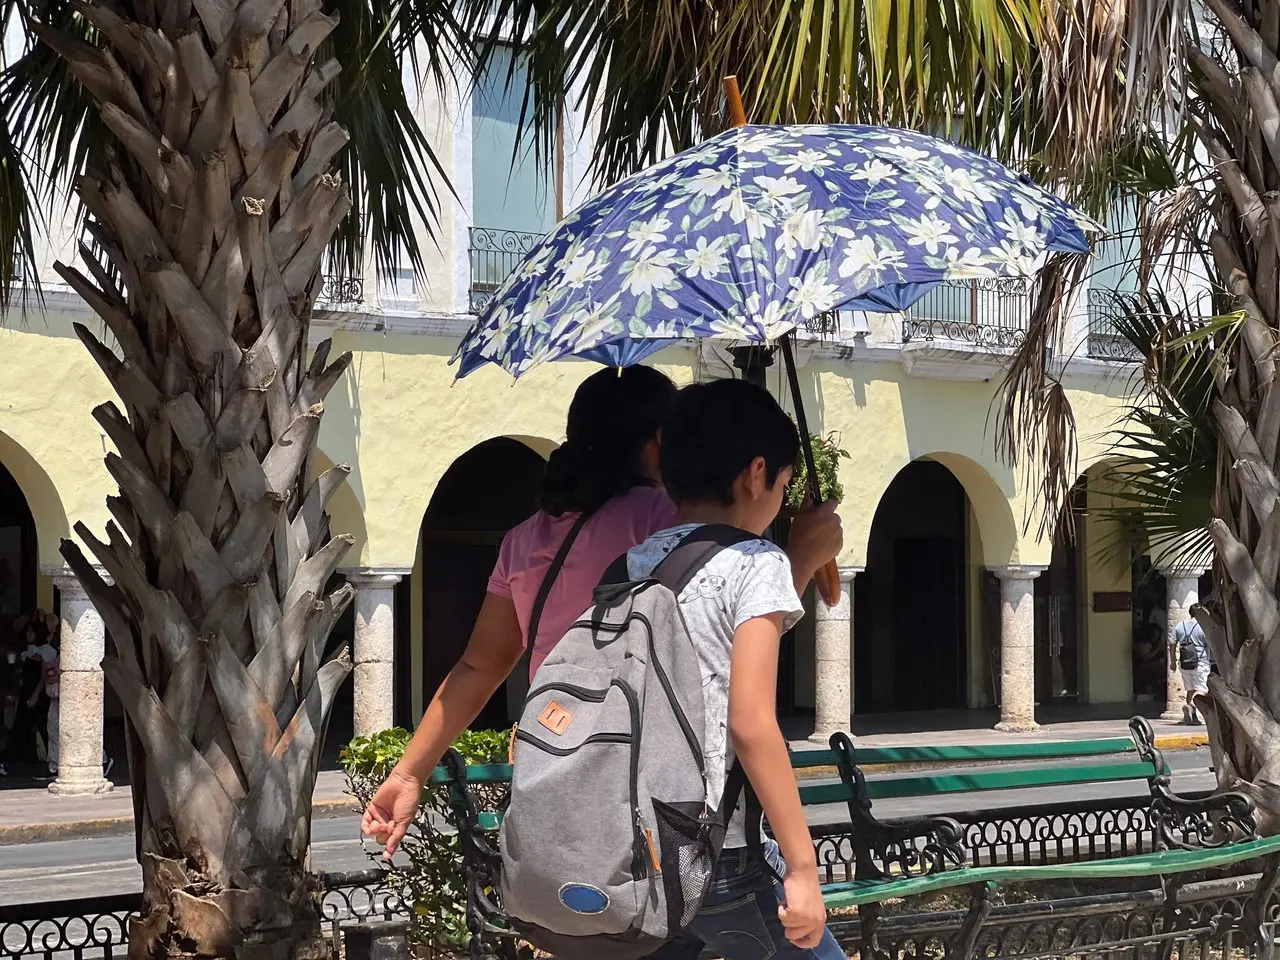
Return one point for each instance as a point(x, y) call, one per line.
point(528, 550)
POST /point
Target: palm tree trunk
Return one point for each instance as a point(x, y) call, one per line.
point(209, 217)
point(1233, 105)
point(1237, 125)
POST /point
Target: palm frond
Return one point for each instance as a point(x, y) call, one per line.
point(1165, 443)
point(49, 134)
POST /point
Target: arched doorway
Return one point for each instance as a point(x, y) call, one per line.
point(487, 491)
point(18, 554)
point(912, 605)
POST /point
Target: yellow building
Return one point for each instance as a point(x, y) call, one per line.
point(952, 600)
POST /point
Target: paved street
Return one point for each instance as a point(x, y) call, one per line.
point(90, 867)
point(87, 867)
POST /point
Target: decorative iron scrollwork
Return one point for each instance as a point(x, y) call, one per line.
point(1218, 820)
point(916, 847)
point(987, 312)
point(336, 289)
point(494, 254)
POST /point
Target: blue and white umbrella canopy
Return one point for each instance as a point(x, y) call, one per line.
point(760, 229)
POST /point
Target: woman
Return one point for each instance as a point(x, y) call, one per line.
point(600, 496)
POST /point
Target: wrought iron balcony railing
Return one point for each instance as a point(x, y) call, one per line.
point(494, 254)
point(1105, 341)
point(337, 290)
point(987, 312)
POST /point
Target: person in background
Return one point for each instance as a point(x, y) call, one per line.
point(1189, 652)
point(1148, 662)
point(601, 495)
point(33, 701)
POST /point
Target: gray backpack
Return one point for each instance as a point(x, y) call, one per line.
point(608, 844)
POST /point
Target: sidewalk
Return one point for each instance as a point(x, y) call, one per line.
point(32, 816)
point(36, 816)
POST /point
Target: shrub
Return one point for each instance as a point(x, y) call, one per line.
point(432, 879)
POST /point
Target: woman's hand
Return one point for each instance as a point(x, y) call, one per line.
point(391, 811)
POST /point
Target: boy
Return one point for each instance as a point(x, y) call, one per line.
point(727, 456)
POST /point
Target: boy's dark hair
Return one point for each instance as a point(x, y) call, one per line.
point(614, 414)
point(714, 433)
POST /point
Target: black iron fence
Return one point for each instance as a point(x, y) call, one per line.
point(986, 312)
point(494, 255)
point(97, 928)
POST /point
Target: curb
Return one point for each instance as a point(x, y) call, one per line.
point(1173, 741)
point(11, 834)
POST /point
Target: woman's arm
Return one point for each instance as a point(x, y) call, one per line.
point(492, 652)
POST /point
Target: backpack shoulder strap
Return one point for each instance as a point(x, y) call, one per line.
point(694, 552)
point(553, 571)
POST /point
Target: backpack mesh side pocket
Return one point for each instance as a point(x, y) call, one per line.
point(689, 842)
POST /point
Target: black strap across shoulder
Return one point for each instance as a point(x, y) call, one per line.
point(689, 556)
point(694, 552)
point(553, 571)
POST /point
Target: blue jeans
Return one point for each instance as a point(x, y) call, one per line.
point(739, 918)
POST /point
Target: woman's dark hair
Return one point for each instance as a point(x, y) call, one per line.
point(613, 415)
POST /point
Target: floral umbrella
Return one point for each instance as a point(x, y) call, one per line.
point(760, 229)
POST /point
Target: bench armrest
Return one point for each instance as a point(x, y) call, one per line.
point(915, 847)
point(907, 848)
point(1191, 824)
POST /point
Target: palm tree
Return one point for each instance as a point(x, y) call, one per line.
point(206, 142)
point(1229, 205)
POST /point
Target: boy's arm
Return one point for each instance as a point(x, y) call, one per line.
point(762, 751)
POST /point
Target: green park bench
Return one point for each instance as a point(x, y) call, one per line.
point(868, 860)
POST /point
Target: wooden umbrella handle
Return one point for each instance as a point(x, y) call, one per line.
point(827, 580)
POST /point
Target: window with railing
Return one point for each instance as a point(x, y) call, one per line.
point(494, 255)
point(1105, 340)
point(987, 312)
point(515, 191)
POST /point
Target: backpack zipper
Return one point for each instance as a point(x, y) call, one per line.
point(637, 839)
point(582, 693)
point(525, 737)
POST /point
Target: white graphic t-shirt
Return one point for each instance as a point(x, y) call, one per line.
point(751, 579)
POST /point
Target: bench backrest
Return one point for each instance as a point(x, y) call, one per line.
point(1123, 764)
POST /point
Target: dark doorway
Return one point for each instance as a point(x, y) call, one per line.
point(17, 553)
point(1059, 605)
point(486, 492)
point(909, 645)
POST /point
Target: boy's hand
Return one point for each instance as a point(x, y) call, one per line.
point(816, 537)
point(803, 915)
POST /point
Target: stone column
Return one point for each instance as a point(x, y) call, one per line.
point(833, 654)
point(82, 647)
point(375, 642)
point(1017, 648)
point(1182, 591)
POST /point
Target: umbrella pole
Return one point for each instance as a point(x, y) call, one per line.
point(828, 578)
point(806, 440)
